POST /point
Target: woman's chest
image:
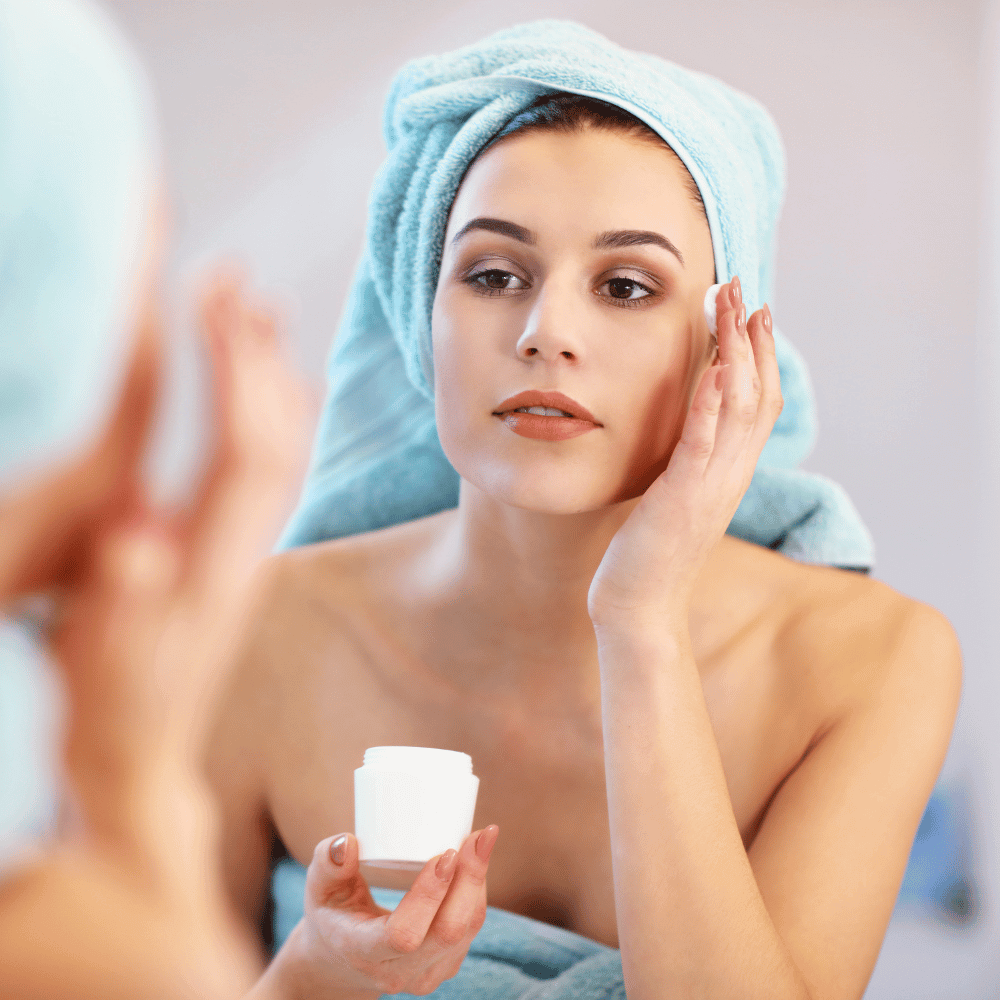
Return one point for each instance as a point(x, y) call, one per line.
point(542, 777)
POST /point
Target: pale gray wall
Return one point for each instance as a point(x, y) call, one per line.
point(271, 117)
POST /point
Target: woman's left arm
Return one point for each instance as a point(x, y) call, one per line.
point(802, 915)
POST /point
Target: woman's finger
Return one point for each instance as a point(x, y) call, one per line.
point(697, 440)
point(259, 450)
point(247, 491)
point(334, 878)
point(727, 301)
point(761, 329)
point(463, 911)
point(740, 394)
point(407, 926)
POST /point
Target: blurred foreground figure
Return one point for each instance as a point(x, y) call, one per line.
point(114, 617)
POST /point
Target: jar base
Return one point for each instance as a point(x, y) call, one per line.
point(407, 866)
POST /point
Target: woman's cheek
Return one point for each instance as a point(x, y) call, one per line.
point(458, 386)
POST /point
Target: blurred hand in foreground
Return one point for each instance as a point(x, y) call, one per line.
point(151, 603)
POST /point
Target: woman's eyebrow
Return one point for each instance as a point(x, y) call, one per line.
point(634, 238)
point(501, 226)
point(606, 241)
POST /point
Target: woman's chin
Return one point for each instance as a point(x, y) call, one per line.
point(547, 494)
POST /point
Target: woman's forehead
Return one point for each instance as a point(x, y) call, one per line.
point(590, 180)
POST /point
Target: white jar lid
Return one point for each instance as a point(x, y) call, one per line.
point(417, 760)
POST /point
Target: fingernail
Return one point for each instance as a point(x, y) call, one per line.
point(446, 864)
point(741, 320)
point(767, 317)
point(718, 377)
point(486, 840)
point(338, 849)
point(736, 292)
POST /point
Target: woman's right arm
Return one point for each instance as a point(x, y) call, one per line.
point(234, 768)
point(345, 945)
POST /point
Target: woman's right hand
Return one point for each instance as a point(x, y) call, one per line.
point(347, 946)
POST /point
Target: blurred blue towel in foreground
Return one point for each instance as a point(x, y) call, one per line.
point(77, 145)
point(377, 460)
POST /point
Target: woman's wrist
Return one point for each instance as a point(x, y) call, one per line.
point(283, 978)
point(292, 975)
point(663, 628)
point(666, 610)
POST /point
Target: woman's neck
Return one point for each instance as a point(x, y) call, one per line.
point(505, 596)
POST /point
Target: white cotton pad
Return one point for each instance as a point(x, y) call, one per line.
point(710, 309)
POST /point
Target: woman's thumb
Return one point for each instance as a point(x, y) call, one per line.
point(334, 878)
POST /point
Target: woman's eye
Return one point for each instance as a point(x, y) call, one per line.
point(495, 281)
point(625, 289)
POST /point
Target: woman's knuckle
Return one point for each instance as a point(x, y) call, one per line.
point(391, 981)
point(476, 877)
point(366, 967)
point(700, 448)
point(427, 983)
point(395, 977)
point(404, 940)
point(451, 932)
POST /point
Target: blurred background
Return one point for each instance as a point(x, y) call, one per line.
point(888, 282)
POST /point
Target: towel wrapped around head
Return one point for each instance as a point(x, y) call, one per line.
point(76, 151)
point(377, 460)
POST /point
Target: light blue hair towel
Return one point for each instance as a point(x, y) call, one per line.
point(76, 151)
point(377, 460)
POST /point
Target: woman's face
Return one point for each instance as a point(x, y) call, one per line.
point(573, 264)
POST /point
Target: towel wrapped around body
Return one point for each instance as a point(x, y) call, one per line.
point(511, 958)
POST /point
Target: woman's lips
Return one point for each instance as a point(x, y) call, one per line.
point(544, 426)
point(535, 425)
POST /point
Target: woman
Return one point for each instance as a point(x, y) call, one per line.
point(122, 898)
point(700, 751)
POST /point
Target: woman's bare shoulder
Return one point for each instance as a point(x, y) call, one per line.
point(848, 636)
point(309, 598)
point(308, 607)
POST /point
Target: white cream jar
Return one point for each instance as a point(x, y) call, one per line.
point(411, 803)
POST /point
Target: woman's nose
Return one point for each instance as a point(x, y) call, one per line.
point(553, 330)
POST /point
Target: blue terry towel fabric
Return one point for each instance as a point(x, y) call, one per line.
point(377, 460)
point(511, 958)
point(76, 178)
point(77, 151)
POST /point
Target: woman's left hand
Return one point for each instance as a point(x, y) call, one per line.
point(649, 570)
